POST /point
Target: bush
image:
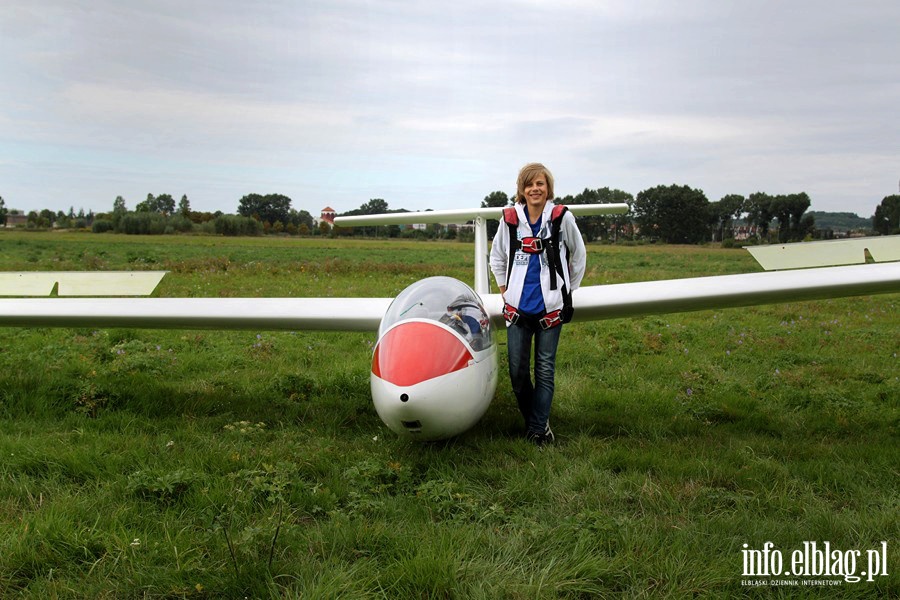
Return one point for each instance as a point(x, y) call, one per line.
point(142, 223)
point(102, 226)
point(733, 243)
point(181, 224)
point(414, 234)
point(232, 225)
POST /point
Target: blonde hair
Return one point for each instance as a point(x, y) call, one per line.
point(527, 175)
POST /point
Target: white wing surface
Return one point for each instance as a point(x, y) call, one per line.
point(723, 291)
point(464, 215)
point(364, 314)
point(326, 314)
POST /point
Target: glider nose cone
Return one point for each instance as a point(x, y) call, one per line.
point(417, 351)
point(426, 382)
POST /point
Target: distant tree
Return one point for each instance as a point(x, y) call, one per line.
point(723, 213)
point(789, 210)
point(375, 206)
point(615, 196)
point(301, 218)
point(3, 212)
point(148, 205)
point(184, 206)
point(676, 214)
point(47, 218)
point(165, 204)
point(267, 209)
point(119, 205)
point(759, 213)
point(599, 226)
point(886, 220)
point(593, 227)
point(496, 199)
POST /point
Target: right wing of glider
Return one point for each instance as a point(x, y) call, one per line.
point(723, 291)
point(852, 251)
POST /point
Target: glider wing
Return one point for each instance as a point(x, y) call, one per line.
point(80, 283)
point(723, 291)
point(853, 251)
point(326, 314)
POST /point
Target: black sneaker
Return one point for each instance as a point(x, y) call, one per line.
point(535, 438)
point(548, 436)
point(541, 439)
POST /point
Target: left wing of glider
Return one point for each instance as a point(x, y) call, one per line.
point(325, 314)
point(80, 283)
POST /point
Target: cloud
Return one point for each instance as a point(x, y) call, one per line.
point(436, 104)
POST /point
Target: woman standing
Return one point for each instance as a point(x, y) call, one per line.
point(538, 260)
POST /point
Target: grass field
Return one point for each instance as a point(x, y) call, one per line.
point(157, 463)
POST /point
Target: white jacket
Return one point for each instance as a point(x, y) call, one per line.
point(572, 253)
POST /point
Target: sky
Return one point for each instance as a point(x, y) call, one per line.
point(433, 105)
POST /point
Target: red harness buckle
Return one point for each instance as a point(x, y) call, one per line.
point(510, 314)
point(551, 319)
point(532, 245)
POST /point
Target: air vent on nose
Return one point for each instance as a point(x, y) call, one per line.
point(412, 426)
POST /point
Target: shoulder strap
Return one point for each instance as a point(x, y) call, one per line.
point(558, 211)
point(553, 256)
point(511, 218)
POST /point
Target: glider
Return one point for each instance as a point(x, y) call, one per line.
point(435, 363)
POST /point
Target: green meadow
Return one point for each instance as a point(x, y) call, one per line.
point(221, 464)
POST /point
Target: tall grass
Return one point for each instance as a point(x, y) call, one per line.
point(141, 463)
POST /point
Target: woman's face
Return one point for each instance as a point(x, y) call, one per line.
point(536, 192)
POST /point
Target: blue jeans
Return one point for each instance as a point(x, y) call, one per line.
point(534, 398)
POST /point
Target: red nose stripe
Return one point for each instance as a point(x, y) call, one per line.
point(414, 352)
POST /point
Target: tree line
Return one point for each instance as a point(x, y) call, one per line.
point(672, 214)
point(683, 215)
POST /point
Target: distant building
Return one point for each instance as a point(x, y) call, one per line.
point(328, 215)
point(16, 218)
point(742, 232)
